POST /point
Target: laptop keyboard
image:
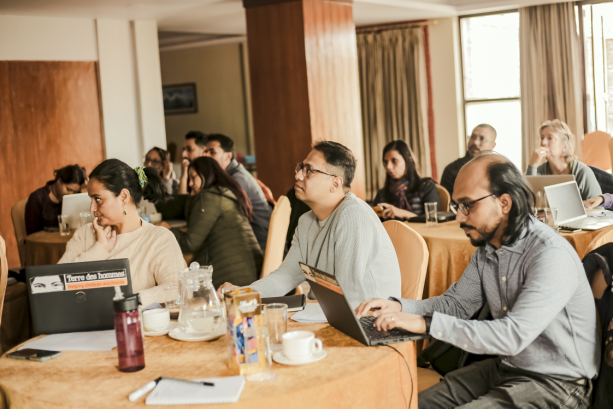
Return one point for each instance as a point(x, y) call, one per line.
point(373, 333)
point(587, 222)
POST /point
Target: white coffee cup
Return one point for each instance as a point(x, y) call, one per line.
point(156, 320)
point(299, 346)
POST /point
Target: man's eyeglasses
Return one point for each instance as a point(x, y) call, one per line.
point(465, 207)
point(308, 170)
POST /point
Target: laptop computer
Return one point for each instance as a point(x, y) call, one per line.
point(75, 297)
point(566, 198)
point(538, 183)
point(341, 316)
point(73, 205)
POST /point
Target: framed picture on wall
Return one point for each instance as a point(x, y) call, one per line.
point(180, 99)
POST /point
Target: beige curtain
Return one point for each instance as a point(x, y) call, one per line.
point(393, 86)
point(551, 72)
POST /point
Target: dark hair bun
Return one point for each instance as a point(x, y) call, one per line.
point(115, 176)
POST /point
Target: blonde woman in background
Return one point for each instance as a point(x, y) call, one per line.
point(556, 156)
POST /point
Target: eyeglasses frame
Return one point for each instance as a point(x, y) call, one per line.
point(455, 206)
point(300, 168)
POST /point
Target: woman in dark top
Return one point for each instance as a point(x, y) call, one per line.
point(218, 230)
point(405, 192)
point(45, 204)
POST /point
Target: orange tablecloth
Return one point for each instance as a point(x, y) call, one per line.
point(351, 376)
point(44, 248)
point(450, 252)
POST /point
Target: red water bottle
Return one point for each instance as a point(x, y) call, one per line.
point(129, 334)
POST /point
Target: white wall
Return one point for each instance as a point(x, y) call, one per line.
point(447, 91)
point(149, 84)
point(129, 70)
point(218, 73)
point(42, 38)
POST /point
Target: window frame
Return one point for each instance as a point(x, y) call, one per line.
point(465, 101)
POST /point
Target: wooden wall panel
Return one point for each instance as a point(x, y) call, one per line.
point(279, 92)
point(332, 71)
point(304, 84)
point(49, 118)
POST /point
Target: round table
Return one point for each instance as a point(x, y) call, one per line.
point(351, 376)
point(44, 248)
point(450, 252)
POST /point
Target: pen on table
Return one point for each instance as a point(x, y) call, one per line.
point(148, 387)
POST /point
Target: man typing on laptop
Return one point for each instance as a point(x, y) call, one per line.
point(341, 235)
point(544, 328)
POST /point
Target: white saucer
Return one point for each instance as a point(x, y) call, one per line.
point(279, 358)
point(180, 335)
point(170, 327)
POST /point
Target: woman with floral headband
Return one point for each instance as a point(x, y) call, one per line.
point(118, 232)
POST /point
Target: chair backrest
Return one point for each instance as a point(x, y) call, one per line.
point(412, 254)
point(604, 237)
point(18, 214)
point(596, 150)
point(277, 232)
point(444, 197)
point(4, 274)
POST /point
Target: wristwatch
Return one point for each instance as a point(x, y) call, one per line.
point(428, 319)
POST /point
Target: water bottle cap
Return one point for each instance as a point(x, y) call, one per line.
point(129, 303)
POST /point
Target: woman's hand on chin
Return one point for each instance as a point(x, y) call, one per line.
point(106, 236)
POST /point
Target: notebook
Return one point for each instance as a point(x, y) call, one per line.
point(179, 392)
point(294, 302)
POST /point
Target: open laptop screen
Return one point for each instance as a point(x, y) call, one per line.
point(566, 198)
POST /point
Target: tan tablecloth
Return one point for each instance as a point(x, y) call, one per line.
point(450, 252)
point(44, 248)
point(351, 376)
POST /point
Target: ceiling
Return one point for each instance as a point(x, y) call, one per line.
point(226, 17)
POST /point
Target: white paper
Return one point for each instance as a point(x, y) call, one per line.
point(76, 341)
point(600, 213)
point(178, 392)
point(312, 313)
point(152, 306)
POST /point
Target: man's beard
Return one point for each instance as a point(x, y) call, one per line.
point(486, 235)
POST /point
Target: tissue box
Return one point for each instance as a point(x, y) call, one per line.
point(244, 309)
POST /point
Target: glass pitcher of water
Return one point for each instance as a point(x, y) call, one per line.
point(201, 312)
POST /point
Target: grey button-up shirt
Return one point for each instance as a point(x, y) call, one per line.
point(541, 301)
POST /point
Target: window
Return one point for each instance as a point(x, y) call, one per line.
point(490, 67)
point(598, 48)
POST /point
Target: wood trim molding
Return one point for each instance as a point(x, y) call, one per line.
point(258, 3)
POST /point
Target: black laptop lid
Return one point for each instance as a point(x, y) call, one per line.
point(76, 297)
point(335, 306)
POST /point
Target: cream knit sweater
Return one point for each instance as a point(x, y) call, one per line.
point(154, 254)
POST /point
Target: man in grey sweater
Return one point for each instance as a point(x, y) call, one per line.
point(341, 235)
point(544, 328)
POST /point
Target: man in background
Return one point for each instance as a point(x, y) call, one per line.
point(194, 146)
point(221, 148)
point(483, 138)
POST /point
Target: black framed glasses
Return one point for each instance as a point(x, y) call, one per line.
point(308, 170)
point(465, 207)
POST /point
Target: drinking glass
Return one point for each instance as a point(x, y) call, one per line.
point(551, 217)
point(63, 222)
point(171, 296)
point(86, 217)
point(276, 322)
point(264, 372)
point(431, 217)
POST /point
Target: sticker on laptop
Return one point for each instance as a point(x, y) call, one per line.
point(78, 281)
point(323, 279)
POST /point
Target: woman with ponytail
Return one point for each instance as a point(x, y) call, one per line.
point(118, 232)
